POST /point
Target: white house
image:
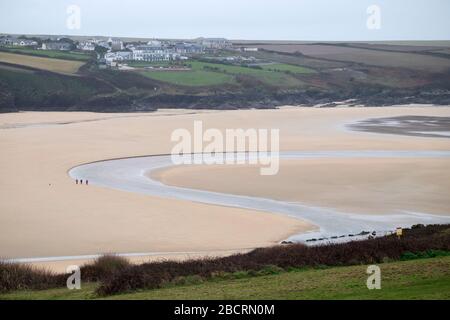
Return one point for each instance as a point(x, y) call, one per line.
point(9, 41)
point(86, 46)
point(118, 56)
point(117, 45)
point(151, 53)
point(188, 48)
point(56, 46)
point(104, 44)
point(27, 43)
point(154, 43)
point(214, 43)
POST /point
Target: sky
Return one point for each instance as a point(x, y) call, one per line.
point(318, 20)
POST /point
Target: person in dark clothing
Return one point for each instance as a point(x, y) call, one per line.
point(87, 181)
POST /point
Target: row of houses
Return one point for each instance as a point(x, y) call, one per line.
point(45, 45)
point(61, 46)
point(116, 50)
point(155, 51)
point(143, 53)
point(213, 43)
point(9, 41)
point(88, 45)
point(110, 44)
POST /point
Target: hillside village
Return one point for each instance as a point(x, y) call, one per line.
point(110, 74)
point(114, 52)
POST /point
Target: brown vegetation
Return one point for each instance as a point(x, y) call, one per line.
point(155, 275)
point(48, 64)
point(117, 275)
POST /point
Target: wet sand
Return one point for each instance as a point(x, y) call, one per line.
point(360, 186)
point(43, 213)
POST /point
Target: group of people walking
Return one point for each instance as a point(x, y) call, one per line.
point(81, 181)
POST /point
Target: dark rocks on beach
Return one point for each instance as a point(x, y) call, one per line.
point(422, 126)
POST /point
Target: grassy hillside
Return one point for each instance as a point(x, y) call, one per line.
point(289, 74)
point(415, 279)
point(211, 74)
point(270, 77)
point(57, 54)
point(49, 91)
point(284, 67)
point(190, 78)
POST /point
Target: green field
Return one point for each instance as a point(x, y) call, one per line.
point(143, 64)
point(190, 78)
point(414, 279)
point(208, 74)
point(67, 55)
point(268, 77)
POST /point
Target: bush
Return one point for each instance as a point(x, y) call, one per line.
point(423, 255)
point(240, 274)
point(433, 240)
point(104, 267)
point(14, 276)
point(118, 275)
point(270, 269)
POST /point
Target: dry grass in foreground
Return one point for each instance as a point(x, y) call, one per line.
point(414, 279)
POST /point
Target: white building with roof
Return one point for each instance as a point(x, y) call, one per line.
point(62, 46)
point(214, 43)
point(154, 43)
point(86, 46)
point(152, 53)
point(118, 56)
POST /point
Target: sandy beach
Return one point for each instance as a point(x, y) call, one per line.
point(389, 187)
point(43, 213)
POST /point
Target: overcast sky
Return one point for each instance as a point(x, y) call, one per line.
point(234, 19)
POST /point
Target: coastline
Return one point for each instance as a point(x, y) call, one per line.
point(75, 220)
